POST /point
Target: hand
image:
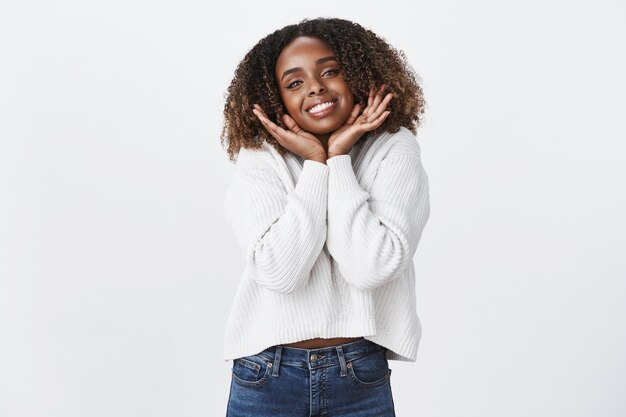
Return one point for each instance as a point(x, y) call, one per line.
point(296, 140)
point(341, 140)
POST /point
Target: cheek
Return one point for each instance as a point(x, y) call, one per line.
point(292, 105)
point(295, 114)
point(351, 101)
point(350, 94)
point(288, 108)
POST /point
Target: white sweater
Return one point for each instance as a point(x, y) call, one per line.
point(328, 248)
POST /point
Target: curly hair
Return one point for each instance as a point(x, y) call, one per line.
point(367, 61)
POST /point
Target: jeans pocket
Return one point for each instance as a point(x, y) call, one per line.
point(370, 370)
point(251, 371)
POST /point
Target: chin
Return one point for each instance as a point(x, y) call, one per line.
point(320, 130)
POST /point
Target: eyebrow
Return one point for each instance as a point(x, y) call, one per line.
point(318, 62)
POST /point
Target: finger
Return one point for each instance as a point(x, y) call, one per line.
point(370, 99)
point(260, 110)
point(267, 123)
point(371, 95)
point(388, 98)
point(354, 114)
point(291, 124)
point(379, 96)
point(381, 119)
point(260, 114)
point(263, 117)
point(368, 126)
point(276, 131)
point(381, 107)
point(374, 100)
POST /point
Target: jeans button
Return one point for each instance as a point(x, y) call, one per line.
point(313, 357)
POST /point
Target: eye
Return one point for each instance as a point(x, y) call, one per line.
point(291, 84)
point(330, 72)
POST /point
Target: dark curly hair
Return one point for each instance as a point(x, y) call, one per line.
point(367, 61)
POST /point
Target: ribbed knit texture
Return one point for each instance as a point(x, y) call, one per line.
point(328, 248)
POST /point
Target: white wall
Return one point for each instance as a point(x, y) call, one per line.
point(117, 273)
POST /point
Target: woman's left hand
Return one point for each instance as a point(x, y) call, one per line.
point(341, 140)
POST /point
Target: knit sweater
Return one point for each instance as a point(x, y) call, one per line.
point(328, 248)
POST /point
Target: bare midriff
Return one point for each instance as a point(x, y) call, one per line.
point(319, 342)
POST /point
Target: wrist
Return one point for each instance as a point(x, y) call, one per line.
point(337, 153)
point(317, 158)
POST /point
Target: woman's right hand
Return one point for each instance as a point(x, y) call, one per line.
point(296, 140)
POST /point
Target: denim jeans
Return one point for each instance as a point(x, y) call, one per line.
point(351, 379)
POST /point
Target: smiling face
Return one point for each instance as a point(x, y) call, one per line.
point(312, 86)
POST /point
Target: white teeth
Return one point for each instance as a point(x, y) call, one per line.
point(320, 107)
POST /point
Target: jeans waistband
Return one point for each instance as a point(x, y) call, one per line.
point(319, 357)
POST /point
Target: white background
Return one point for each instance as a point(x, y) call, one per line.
point(116, 268)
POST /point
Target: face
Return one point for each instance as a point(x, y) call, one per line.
point(312, 86)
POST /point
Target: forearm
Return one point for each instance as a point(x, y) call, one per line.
point(373, 234)
point(282, 234)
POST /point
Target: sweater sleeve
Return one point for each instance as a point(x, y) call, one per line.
point(373, 236)
point(281, 234)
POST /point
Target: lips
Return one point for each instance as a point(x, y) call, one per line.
point(331, 101)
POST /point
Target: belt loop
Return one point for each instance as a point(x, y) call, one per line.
point(276, 365)
point(342, 361)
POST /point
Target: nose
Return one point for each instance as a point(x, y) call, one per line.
point(316, 88)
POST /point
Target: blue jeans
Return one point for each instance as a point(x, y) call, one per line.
point(352, 380)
